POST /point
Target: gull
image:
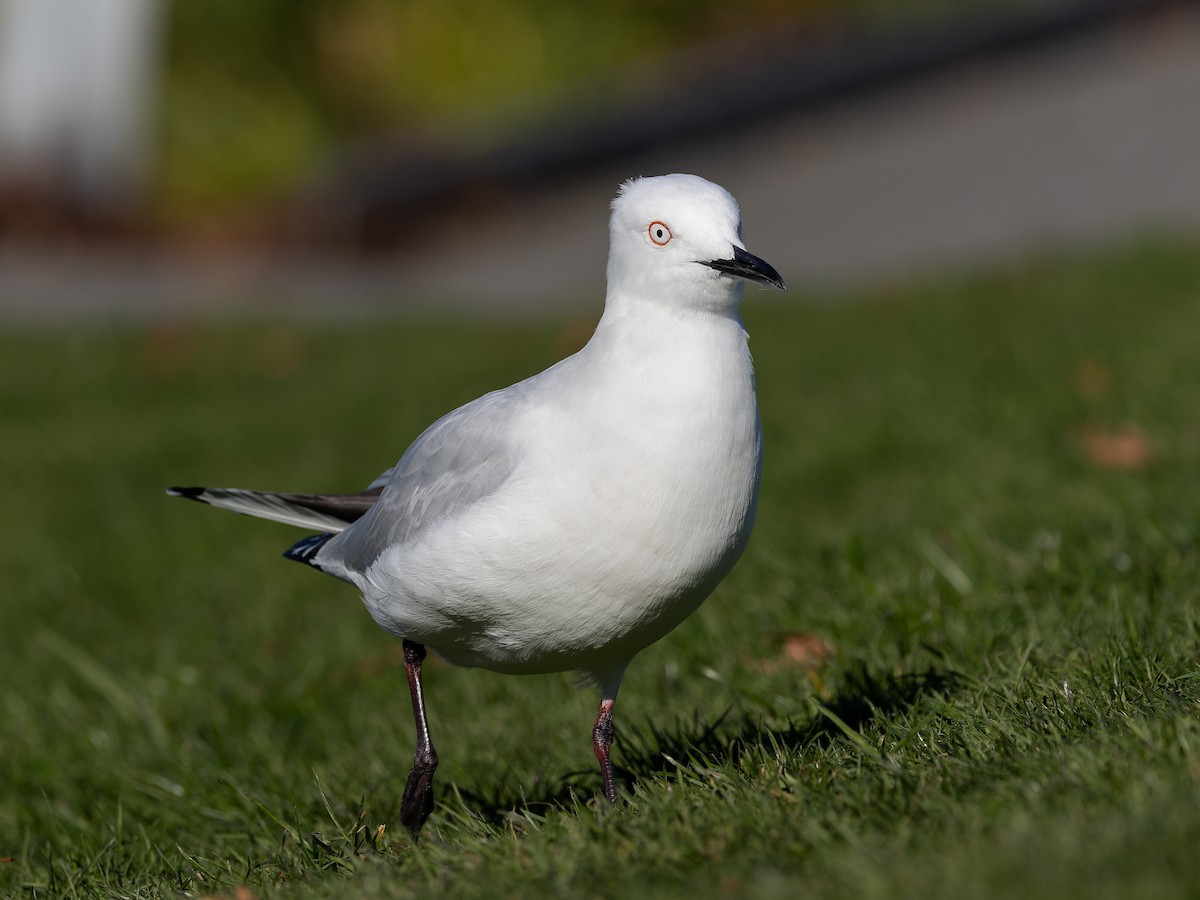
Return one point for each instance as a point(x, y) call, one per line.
point(569, 521)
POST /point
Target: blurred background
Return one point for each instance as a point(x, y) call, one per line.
point(169, 159)
point(264, 243)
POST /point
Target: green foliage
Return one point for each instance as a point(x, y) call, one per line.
point(257, 94)
point(959, 659)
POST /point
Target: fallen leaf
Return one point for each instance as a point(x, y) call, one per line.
point(239, 893)
point(799, 650)
point(807, 651)
point(1126, 449)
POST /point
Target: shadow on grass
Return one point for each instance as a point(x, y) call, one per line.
point(652, 749)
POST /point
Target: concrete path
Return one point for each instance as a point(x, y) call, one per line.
point(1078, 142)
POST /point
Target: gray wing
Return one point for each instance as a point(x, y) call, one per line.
point(463, 457)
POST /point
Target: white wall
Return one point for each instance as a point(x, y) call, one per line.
point(77, 78)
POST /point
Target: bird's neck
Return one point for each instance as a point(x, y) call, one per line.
point(626, 313)
point(657, 347)
point(636, 293)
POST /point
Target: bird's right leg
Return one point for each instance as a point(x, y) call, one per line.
point(417, 802)
point(602, 738)
point(609, 682)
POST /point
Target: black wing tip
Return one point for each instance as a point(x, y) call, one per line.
point(305, 551)
point(187, 493)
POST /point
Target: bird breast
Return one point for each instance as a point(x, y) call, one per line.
point(634, 495)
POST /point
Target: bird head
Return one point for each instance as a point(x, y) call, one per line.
point(676, 239)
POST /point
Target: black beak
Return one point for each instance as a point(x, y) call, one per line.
point(750, 267)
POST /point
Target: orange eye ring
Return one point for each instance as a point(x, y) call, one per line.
point(660, 234)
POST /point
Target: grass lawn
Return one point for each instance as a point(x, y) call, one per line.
point(961, 657)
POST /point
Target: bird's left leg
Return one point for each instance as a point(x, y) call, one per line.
point(417, 802)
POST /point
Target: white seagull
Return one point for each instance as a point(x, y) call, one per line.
point(569, 521)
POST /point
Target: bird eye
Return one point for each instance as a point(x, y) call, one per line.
point(659, 233)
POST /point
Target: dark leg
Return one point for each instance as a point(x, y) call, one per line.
point(417, 802)
point(602, 738)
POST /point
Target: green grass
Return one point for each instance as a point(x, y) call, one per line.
point(1013, 707)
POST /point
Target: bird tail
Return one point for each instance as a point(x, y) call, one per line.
point(305, 551)
point(325, 512)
